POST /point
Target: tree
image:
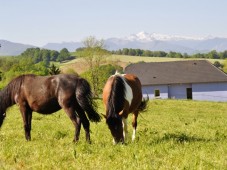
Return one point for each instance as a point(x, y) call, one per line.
point(224, 55)
point(46, 56)
point(125, 51)
point(21, 65)
point(94, 55)
point(63, 55)
point(53, 70)
point(54, 55)
point(132, 52)
point(171, 54)
point(218, 64)
point(225, 66)
point(105, 71)
point(213, 55)
point(139, 52)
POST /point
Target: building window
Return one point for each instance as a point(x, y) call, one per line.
point(157, 93)
point(189, 93)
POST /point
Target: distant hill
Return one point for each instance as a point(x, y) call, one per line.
point(160, 42)
point(12, 49)
point(142, 40)
point(155, 42)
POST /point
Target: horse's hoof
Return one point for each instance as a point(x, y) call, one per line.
point(75, 141)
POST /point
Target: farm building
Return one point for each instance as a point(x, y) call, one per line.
point(191, 79)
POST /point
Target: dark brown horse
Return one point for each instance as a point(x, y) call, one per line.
point(122, 95)
point(48, 94)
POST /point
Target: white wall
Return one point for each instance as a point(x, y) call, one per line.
point(204, 91)
point(178, 91)
point(210, 92)
point(151, 89)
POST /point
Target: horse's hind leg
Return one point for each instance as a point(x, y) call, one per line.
point(134, 124)
point(77, 131)
point(85, 122)
point(75, 120)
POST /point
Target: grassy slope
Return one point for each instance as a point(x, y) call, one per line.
point(79, 66)
point(172, 134)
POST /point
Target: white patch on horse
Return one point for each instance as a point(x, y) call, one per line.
point(16, 98)
point(134, 134)
point(128, 91)
point(125, 128)
point(117, 73)
point(114, 142)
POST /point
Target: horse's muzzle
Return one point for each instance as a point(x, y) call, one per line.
point(118, 141)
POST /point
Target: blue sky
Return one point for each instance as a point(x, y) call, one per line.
point(42, 21)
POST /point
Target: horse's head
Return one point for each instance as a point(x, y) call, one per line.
point(116, 128)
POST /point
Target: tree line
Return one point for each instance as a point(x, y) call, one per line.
point(31, 61)
point(139, 52)
point(46, 55)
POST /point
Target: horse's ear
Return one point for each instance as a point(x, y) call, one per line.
point(104, 116)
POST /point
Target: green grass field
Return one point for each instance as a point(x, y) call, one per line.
point(79, 66)
point(134, 59)
point(172, 134)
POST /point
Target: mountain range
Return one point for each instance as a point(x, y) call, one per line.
point(142, 40)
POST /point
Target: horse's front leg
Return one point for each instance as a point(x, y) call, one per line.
point(27, 119)
point(134, 124)
point(125, 128)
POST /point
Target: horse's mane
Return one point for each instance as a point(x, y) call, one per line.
point(116, 98)
point(8, 93)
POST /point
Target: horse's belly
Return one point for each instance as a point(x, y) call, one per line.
point(45, 107)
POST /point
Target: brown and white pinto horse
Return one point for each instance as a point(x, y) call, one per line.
point(122, 95)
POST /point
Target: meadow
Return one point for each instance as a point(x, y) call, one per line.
point(172, 134)
point(80, 66)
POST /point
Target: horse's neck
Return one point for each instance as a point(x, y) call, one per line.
point(117, 97)
point(6, 99)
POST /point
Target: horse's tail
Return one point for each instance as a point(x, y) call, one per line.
point(143, 105)
point(85, 100)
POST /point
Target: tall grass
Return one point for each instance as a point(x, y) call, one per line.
point(172, 134)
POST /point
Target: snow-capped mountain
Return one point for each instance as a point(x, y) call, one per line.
point(144, 36)
point(141, 40)
point(167, 43)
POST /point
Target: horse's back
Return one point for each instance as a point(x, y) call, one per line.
point(135, 84)
point(45, 94)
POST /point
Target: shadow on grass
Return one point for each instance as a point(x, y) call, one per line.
point(179, 138)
